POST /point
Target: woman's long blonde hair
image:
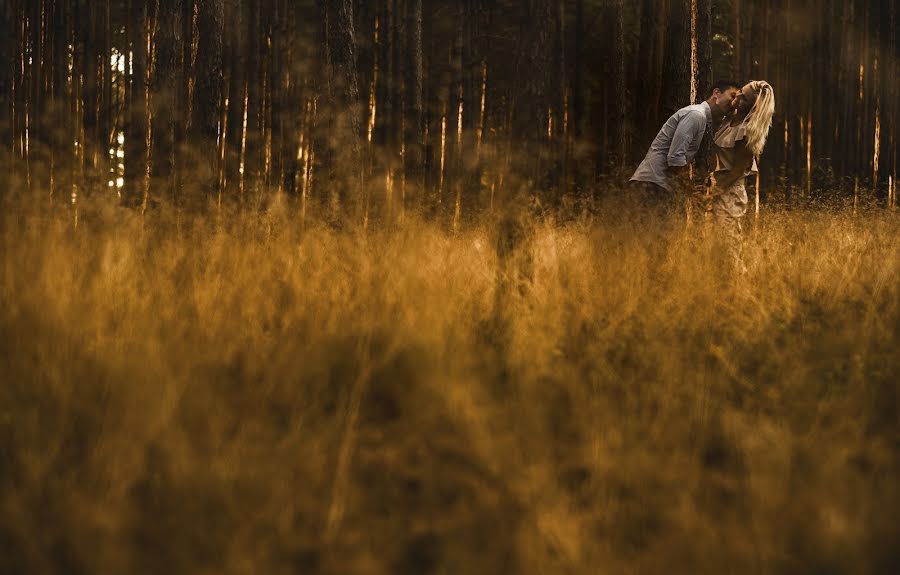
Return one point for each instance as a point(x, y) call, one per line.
point(759, 120)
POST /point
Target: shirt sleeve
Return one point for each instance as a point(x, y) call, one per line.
point(683, 147)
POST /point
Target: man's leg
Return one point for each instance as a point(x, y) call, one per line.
point(657, 216)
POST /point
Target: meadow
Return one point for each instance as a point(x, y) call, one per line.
point(248, 395)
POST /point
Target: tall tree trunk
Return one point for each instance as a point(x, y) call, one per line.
point(676, 85)
point(62, 126)
point(277, 83)
point(207, 100)
point(105, 125)
point(533, 102)
point(891, 87)
point(254, 152)
point(579, 98)
point(737, 33)
point(414, 123)
point(704, 48)
point(7, 50)
point(20, 90)
point(621, 85)
point(166, 88)
point(454, 99)
point(91, 88)
point(37, 157)
point(470, 88)
point(341, 138)
point(136, 106)
point(703, 79)
point(235, 49)
point(290, 98)
point(650, 62)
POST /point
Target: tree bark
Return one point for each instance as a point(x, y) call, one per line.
point(7, 49)
point(579, 99)
point(62, 126)
point(207, 99)
point(470, 166)
point(532, 104)
point(414, 124)
point(342, 115)
point(737, 33)
point(704, 49)
point(136, 106)
point(676, 84)
point(236, 50)
point(38, 156)
point(165, 91)
point(650, 62)
point(621, 84)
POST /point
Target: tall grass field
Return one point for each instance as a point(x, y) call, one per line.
point(250, 395)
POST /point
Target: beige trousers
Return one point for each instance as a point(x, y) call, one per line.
point(728, 210)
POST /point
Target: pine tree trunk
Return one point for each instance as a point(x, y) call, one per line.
point(290, 99)
point(414, 123)
point(704, 49)
point(676, 84)
point(341, 137)
point(579, 98)
point(37, 158)
point(207, 100)
point(621, 86)
point(105, 101)
point(470, 168)
point(166, 87)
point(277, 82)
point(136, 106)
point(737, 38)
point(533, 102)
point(235, 49)
point(7, 49)
point(90, 91)
point(650, 62)
point(254, 159)
point(62, 140)
point(19, 87)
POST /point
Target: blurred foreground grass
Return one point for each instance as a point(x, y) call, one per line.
point(250, 399)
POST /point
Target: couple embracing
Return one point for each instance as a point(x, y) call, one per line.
point(736, 121)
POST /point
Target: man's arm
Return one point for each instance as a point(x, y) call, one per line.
point(689, 130)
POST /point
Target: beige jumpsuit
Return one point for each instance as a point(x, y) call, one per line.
point(731, 205)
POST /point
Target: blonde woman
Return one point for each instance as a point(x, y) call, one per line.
point(737, 144)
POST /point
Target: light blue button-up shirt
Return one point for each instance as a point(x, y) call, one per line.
point(676, 144)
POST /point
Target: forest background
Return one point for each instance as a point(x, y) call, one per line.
point(428, 105)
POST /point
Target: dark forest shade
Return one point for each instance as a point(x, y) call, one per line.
point(165, 94)
point(341, 143)
point(7, 48)
point(136, 127)
point(233, 100)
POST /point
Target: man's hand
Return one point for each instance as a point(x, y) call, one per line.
point(679, 178)
point(678, 171)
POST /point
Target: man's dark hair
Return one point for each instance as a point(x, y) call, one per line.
point(722, 85)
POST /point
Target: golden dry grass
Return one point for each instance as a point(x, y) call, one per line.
point(245, 398)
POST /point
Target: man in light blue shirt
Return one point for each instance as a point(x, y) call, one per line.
point(676, 144)
point(664, 172)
